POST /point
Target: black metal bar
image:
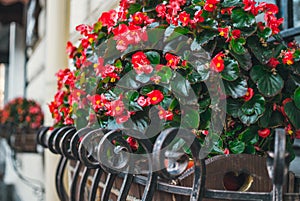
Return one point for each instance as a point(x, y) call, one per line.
point(82, 183)
point(125, 187)
point(74, 186)
point(290, 13)
point(95, 184)
point(292, 32)
point(59, 181)
point(231, 195)
point(108, 186)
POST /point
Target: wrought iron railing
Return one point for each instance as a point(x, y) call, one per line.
point(79, 147)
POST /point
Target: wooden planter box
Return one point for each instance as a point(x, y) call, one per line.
point(23, 140)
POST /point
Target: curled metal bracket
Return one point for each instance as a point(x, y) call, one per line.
point(88, 148)
point(159, 151)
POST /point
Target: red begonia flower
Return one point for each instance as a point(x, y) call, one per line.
point(172, 60)
point(249, 94)
point(264, 132)
point(155, 97)
point(273, 62)
point(165, 114)
point(217, 63)
point(184, 18)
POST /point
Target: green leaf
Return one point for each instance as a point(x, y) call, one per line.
point(190, 118)
point(293, 114)
point(233, 107)
point(237, 147)
point(205, 119)
point(165, 73)
point(266, 33)
point(249, 135)
point(244, 60)
point(237, 88)
point(97, 26)
point(231, 70)
point(154, 57)
point(203, 38)
point(261, 53)
point(133, 106)
point(237, 45)
point(230, 3)
point(252, 110)
point(146, 89)
point(128, 81)
point(136, 7)
point(173, 32)
point(268, 83)
point(205, 101)
point(297, 97)
point(202, 69)
point(194, 77)
point(132, 95)
point(271, 118)
point(174, 103)
point(150, 5)
point(180, 86)
point(242, 19)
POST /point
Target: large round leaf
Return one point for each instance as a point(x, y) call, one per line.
point(230, 3)
point(231, 70)
point(237, 147)
point(252, 109)
point(268, 83)
point(271, 118)
point(190, 118)
point(297, 97)
point(237, 88)
point(293, 114)
point(244, 60)
point(260, 52)
point(233, 107)
point(242, 19)
point(237, 45)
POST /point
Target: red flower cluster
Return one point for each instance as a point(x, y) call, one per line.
point(287, 57)
point(273, 62)
point(165, 114)
point(60, 107)
point(140, 18)
point(117, 109)
point(141, 64)
point(106, 71)
point(211, 5)
point(129, 35)
point(270, 11)
point(228, 34)
point(22, 113)
point(108, 19)
point(154, 97)
point(217, 63)
point(173, 15)
point(172, 60)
